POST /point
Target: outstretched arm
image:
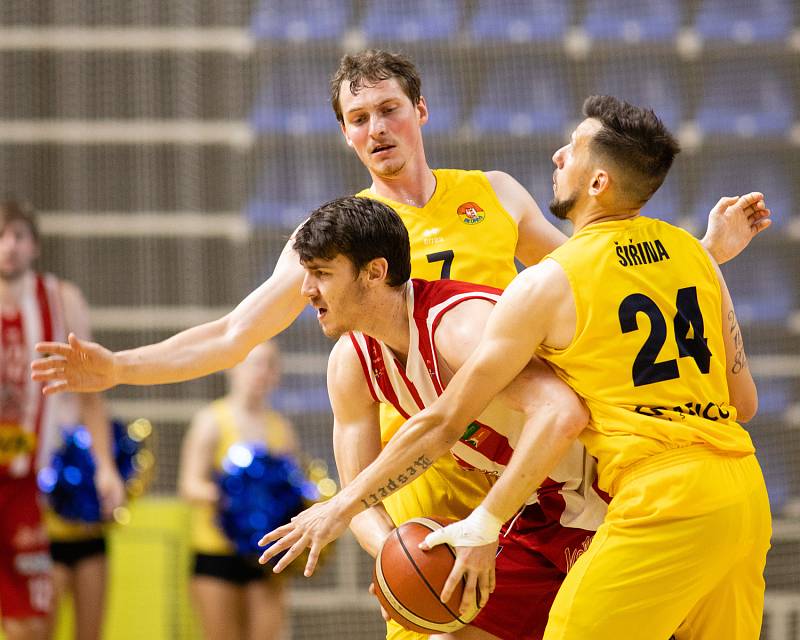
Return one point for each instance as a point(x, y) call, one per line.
point(198, 351)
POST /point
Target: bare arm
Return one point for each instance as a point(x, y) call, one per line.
point(356, 437)
point(197, 459)
point(195, 352)
point(554, 417)
point(537, 236)
point(741, 387)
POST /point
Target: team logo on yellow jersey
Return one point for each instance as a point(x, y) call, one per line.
point(470, 213)
point(14, 441)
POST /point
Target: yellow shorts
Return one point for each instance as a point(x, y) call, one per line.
point(682, 550)
point(445, 490)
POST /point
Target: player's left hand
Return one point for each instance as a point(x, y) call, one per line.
point(733, 223)
point(475, 565)
point(110, 489)
point(314, 528)
point(475, 540)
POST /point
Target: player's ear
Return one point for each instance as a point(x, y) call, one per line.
point(599, 183)
point(377, 270)
point(422, 110)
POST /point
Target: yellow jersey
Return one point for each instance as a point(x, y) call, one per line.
point(462, 233)
point(207, 535)
point(648, 355)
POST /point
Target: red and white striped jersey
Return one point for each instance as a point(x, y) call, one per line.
point(568, 496)
point(28, 420)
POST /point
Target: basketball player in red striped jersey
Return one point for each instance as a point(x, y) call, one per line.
point(399, 343)
point(35, 307)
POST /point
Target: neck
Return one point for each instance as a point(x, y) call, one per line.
point(11, 290)
point(387, 321)
point(414, 185)
point(593, 214)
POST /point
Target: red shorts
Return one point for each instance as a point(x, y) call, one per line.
point(26, 586)
point(532, 560)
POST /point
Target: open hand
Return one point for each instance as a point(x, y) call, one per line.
point(733, 223)
point(77, 366)
point(314, 528)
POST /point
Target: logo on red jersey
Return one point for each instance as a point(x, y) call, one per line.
point(14, 441)
point(470, 213)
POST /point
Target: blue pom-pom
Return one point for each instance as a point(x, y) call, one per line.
point(68, 481)
point(259, 491)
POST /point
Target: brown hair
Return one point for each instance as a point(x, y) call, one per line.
point(367, 68)
point(14, 210)
point(636, 140)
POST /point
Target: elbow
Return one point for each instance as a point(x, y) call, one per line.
point(571, 418)
point(744, 396)
point(746, 409)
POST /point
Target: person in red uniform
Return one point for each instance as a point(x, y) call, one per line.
point(34, 307)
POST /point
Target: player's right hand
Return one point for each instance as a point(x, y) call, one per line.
point(77, 366)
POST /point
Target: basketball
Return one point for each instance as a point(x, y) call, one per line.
point(408, 580)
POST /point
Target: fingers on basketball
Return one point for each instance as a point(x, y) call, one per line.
point(409, 581)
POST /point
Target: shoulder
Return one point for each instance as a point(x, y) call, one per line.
point(507, 189)
point(349, 387)
point(346, 365)
point(460, 330)
point(539, 286)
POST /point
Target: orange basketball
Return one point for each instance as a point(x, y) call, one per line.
point(408, 580)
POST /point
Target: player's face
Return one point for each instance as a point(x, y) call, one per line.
point(334, 289)
point(382, 126)
point(572, 169)
point(18, 250)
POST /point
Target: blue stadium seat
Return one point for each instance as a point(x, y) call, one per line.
point(762, 288)
point(653, 86)
point(522, 102)
point(666, 202)
point(295, 101)
point(292, 186)
point(442, 91)
point(763, 106)
point(744, 20)
point(520, 20)
point(633, 20)
point(300, 21)
point(736, 176)
point(411, 20)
